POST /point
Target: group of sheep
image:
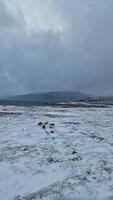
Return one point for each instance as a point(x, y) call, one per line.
point(47, 126)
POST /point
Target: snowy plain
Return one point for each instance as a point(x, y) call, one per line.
point(73, 163)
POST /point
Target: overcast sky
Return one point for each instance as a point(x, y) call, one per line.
point(48, 45)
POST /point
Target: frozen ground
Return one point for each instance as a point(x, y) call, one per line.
point(74, 163)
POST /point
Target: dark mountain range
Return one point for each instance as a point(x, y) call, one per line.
point(46, 98)
point(51, 96)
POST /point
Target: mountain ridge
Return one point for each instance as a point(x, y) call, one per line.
point(49, 97)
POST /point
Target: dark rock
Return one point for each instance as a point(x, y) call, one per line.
point(50, 160)
point(44, 126)
point(74, 152)
point(40, 124)
point(51, 131)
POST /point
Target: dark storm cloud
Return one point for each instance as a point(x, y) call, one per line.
point(71, 50)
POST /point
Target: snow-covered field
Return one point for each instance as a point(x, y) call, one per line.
point(74, 163)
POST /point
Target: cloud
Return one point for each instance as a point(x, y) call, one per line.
point(56, 45)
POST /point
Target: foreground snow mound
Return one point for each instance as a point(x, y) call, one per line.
point(74, 162)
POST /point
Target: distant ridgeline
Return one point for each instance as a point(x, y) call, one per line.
point(44, 98)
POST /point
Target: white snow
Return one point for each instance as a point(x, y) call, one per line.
point(74, 163)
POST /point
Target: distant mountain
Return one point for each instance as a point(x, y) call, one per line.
point(50, 97)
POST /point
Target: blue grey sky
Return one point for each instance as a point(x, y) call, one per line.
point(56, 45)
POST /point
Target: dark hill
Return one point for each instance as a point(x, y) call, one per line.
point(46, 98)
point(51, 96)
